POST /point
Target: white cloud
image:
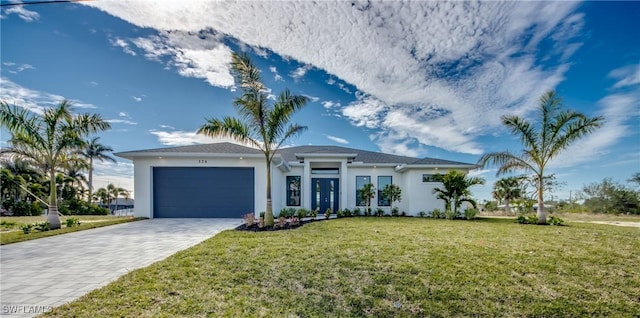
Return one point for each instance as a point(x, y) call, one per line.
point(312, 99)
point(338, 139)
point(33, 100)
point(121, 121)
point(457, 66)
point(137, 98)
point(619, 110)
point(200, 55)
point(328, 104)
point(92, 83)
point(24, 14)
point(626, 76)
point(123, 114)
point(276, 76)
point(180, 138)
point(299, 72)
point(167, 127)
point(122, 44)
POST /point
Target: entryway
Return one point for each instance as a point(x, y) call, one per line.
point(325, 194)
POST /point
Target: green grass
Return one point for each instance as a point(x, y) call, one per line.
point(382, 267)
point(86, 222)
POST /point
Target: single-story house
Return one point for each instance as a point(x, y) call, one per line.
point(227, 180)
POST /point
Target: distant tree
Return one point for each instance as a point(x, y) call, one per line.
point(455, 189)
point(93, 149)
point(263, 124)
point(114, 193)
point(393, 193)
point(635, 178)
point(609, 196)
point(367, 193)
point(543, 140)
point(101, 195)
point(506, 190)
point(46, 138)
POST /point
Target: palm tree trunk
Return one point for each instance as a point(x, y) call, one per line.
point(90, 178)
point(507, 208)
point(52, 217)
point(542, 215)
point(268, 214)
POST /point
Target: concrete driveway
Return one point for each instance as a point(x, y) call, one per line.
point(38, 275)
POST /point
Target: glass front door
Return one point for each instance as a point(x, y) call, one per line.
point(325, 194)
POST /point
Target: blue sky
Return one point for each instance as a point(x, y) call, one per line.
point(423, 79)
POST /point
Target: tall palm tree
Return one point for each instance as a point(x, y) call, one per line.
point(93, 149)
point(455, 189)
point(45, 139)
point(263, 124)
point(507, 189)
point(553, 131)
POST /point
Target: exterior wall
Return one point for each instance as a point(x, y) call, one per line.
point(143, 177)
point(374, 173)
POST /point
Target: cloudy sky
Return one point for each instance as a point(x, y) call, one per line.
point(420, 78)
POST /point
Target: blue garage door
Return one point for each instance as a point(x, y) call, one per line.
point(195, 192)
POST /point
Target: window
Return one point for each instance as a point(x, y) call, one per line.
point(360, 182)
point(325, 171)
point(382, 182)
point(293, 190)
point(429, 178)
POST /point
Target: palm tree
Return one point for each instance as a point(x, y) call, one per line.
point(392, 192)
point(367, 193)
point(543, 140)
point(95, 150)
point(507, 189)
point(101, 195)
point(114, 193)
point(72, 167)
point(263, 124)
point(46, 138)
point(455, 189)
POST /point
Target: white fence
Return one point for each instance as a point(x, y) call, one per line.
point(123, 212)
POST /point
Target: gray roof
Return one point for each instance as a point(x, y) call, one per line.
point(222, 148)
point(289, 154)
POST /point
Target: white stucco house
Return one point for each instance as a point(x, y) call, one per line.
point(226, 180)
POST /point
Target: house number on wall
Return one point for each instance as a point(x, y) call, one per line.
point(202, 161)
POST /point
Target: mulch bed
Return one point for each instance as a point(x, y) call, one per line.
point(287, 226)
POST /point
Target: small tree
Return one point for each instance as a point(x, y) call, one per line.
point(455, 189)
point(393, 193)
point(507, 189)
point(367, 193)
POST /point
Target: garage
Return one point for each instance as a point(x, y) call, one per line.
point(202, 192)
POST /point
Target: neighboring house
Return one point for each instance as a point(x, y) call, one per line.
point(119, 204)
point(227, 180)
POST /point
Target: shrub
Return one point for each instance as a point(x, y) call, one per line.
point(21, 208)
point(71, 222)
point(395, 212)
point(281, 222)
point(26, 229)
point(367, 212)
point(470, 214)
point(295, 220)
point(313, 213)
point(346, 213)
point(327, 213)
point(262, 214)
point(437, 214)
point(422, 214)
point(450, 214)
point(379, 212)
point(554, 220)
point(43, 227)
point(357, 212)
point(249, 219)
point(301, 213)
point(287, 212)
point(36, 209)
point(523, 219)
point(340, 214)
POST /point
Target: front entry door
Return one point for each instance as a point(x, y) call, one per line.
point(325, 194)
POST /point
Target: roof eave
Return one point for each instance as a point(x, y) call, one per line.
point(159, 154)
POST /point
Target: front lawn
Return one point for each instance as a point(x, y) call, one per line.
point(381, 267)
point(11, 232)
